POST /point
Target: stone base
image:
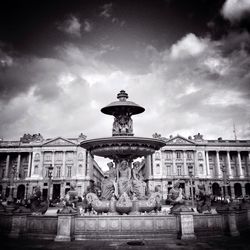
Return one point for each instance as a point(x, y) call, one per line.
point(62, 238)
point(188, 237)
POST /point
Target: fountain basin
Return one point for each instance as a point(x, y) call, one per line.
point(122, 147)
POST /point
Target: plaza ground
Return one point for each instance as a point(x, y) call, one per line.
point(241, 242)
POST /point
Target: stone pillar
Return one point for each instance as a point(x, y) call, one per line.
point(185, 163)
point(65, 227)
point(7, 166)
point(64, 172)
point(148, 167)
point(229, 169)
point(18, 225)
point(240, 172)
point(218, 170)
point(174, 165)
point(207, 164)
point(248, 165)
point(18, 165)
point(29, 165)
point(232, 225)
point(90, 165)
point(196, 164)
point(187, 226)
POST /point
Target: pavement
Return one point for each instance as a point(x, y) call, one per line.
point(241, 242)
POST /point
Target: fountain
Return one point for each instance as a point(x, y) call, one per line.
point(124, 189)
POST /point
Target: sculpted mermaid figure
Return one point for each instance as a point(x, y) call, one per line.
point(109, 183)
point(138, 184)
point(124, 181)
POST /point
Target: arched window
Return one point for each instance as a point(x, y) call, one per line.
point(36, 169)
point(80, 168)
point(201, 169)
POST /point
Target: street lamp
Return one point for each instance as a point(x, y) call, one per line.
point(50, 171)
point(190, 172)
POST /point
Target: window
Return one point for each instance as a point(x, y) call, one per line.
point(201, 168)
point(179, 170)
point(157, 169)
point(168, 155)
point(189, 155)
point(168, 169)
point(58, 171)
point(48, 156)
point(58, 156)
point(25, 172)
point(80, 168)
point(178, 155)
point(36, 169)
point(37, 157)
point(69, 171)
point(3, 172)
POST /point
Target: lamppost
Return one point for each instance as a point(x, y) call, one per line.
point(225, 180)
point(50, 171)
point(190, 172)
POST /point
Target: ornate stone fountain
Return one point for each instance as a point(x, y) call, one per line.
point(124, 188)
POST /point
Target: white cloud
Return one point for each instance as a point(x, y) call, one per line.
point(234, 10)
point(180, 96)
point(71, 26)
point(190, 45)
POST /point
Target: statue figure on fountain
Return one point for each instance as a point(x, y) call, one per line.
point(176, 197)
point(123, 124)
point(138, 184)
point(38, 206)
point(124, 180)
point(109, 185)
point(203, 200)
point(71, 200)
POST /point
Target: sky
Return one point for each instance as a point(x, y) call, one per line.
point(186, 62)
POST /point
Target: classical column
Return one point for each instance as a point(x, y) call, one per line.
point(18, 165)
point(29, 165)
point(207, 164)
point(174, 165)
point(7, 165)
point(229, 170)
point(185, 163)
point(53, 158)
point(218, 170)
point(240, 172)
point(148, 166)
point(248, 164)
point(64, 172)
point(90, 165)
point(196, 164)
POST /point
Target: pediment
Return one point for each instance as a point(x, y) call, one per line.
point(180, 140)
point(59, 142)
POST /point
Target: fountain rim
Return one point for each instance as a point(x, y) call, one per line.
point(88, 144)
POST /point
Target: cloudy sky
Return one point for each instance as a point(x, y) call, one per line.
point(186, 62)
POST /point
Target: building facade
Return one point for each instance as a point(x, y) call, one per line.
point(223, 166)
point(24, 164)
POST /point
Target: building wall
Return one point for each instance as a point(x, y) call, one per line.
point(26, 165)
point(205, 159)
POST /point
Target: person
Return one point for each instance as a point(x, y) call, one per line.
point(124, 182)
point(108, 184)
point(138, 185)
